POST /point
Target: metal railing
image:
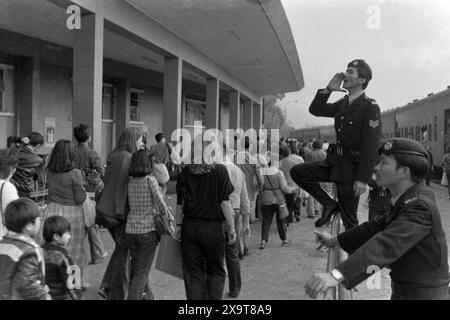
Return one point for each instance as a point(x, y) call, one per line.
point(335, 256)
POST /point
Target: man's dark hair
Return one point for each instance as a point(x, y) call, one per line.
point(285, 152)
point(294, 148)
point(140, 165)
point(54, 225)
point(159, 137)
point(62, 158)
point(19, 213)
point(317, 145)
point(363, 74)
point(418, 166)
point(81, 133)
point(8, 161)
point(36, 139)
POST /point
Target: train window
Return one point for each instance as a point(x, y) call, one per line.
point(418, 133)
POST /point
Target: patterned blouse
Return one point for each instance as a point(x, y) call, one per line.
point(144, 196)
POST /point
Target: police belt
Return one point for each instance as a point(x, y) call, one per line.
point(342, 151)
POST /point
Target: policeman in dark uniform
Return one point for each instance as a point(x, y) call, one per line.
point(409, 240)
point(351, 160)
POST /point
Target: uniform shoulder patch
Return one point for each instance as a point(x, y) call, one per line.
point(374, 123)
point(410, 200)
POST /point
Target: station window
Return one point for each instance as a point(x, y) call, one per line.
point(108, 101)
point(6, 88)
point(135, 104)
point(435, 128)
point(2, 88)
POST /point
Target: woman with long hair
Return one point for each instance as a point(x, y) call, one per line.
point(146, 200)
point(114, 202)
point(66, 194)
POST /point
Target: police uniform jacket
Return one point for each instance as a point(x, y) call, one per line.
point(358, 131)
point(409, 240)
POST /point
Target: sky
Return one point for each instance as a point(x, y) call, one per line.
point(409, 53)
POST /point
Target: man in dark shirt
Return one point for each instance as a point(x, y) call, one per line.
point(409, 239)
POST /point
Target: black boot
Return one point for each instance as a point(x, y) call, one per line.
point(327, 213)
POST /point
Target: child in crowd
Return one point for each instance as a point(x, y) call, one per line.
point(21, 260)
point(58, 264)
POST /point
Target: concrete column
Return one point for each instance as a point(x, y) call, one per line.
point(88, 76)
point(28, 94)
point(173, 72)
point(234, 110)
point(122, 106)
point(248, 114)
point(256, 116)
point(212, 104)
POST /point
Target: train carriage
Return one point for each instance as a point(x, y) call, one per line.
point(431, 114)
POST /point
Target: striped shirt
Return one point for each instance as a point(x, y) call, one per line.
point(144, 197)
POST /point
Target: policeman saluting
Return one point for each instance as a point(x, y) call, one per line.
point(409, 239)
point(351, 160)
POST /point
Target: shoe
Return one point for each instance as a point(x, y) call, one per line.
point(263, 244)
point(286, 243)
point(233, 294)
point(241, 256)
point(297, 218)
point(327, 214)
point(246, 251)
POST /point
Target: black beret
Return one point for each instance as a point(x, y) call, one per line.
point(403, 146)
point(361, 65)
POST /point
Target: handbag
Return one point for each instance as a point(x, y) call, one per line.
point(104, 220)
point(161, 221)
point(89, 212)
point(283, 211)
point(169, 257)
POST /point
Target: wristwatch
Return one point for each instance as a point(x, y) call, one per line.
point(336, 274)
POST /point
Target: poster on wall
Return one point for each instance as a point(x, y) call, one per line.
point(50, 132)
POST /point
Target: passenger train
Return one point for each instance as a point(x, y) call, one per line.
point(431, 114)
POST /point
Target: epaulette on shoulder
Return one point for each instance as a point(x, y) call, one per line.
point(372, 101)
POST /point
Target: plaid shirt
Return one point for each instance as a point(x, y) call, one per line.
point(144, 196)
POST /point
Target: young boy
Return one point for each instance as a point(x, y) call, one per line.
point(58, 264)
point(22, 275)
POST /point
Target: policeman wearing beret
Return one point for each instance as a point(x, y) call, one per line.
point(409, 240)
point(351, 160)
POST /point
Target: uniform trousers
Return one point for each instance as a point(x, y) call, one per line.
point(308, 175)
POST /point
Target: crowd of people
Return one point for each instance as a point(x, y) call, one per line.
point(223, 199)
